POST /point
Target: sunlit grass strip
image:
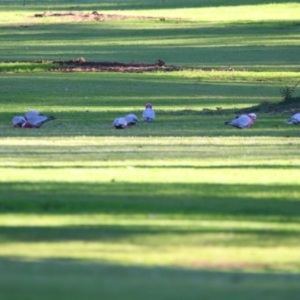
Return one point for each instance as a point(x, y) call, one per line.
point(225, 14)
point(27, 67)
point(127, 141)
point(209, 162)
point(177, 222)
point(254, 13)
point(138, 151)
point(247, 75)
point(125, 253)
point(157, 175)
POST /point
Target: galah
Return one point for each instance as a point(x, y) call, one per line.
point(243, 121)
point(131, 119)
point(148, 113)
point(36, 121)
point(31, 119)
point(120, 123)
point(295, 119)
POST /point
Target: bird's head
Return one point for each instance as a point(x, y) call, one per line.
point(18, 121)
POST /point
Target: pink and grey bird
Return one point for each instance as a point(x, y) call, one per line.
point(243, 121)
point(295, 119)
point(120, 123)
point(131, 119)
point(31, 119)
point(148, 113)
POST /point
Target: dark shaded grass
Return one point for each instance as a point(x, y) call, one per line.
point(125, 4)
point(139, 167)
point(258, 57)
point(111, 90)
point(86, 32)
point(246, 46)
point(146, 149)
point(151, 235)
point(66, 279)
point(222, 201)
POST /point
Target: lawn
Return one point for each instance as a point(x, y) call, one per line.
point(181, 208)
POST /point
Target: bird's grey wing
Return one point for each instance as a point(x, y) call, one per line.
point(39, 120)
point(241, 122)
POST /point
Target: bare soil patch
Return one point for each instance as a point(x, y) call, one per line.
point(81, 65)
point(96, 16)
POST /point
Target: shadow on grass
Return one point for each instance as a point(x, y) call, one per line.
point(220, 201)
point(140, 167)
point(192, 129)
point(152, 235)
point(126, 5)
point(63, 279)
point(236, 34)
point(252, 45)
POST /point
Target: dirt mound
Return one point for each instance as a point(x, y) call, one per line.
point(81, 65)
point(100, 17)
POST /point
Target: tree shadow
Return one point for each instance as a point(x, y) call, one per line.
point(149, 235)
point(65, 279)
point(219, 201)
point(249, 166)
point(129, 5)
point(240, 46)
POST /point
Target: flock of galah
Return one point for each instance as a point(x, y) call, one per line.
point(132, 119)
point(34, 119)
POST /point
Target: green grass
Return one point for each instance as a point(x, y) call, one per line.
point(263, 36)
point(181, 208)
point(182, 200)
point(117, 282)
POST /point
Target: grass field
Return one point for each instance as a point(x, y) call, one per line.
point(181, 208)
